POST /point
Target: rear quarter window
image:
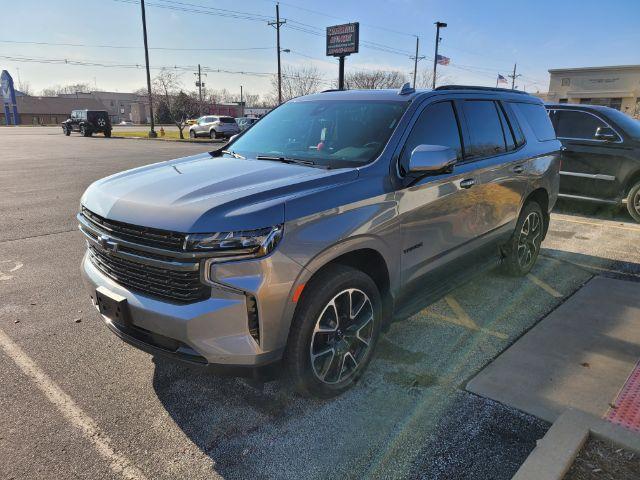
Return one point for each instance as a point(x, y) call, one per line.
point(537, 117)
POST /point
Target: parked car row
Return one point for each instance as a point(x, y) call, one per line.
point(601, 155)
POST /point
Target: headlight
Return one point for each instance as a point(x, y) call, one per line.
point(251, 243)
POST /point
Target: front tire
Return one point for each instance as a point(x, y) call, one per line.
point(334, 332)
point(523, 248)
point(213, 135)
point(67, 131)
point(633, 202)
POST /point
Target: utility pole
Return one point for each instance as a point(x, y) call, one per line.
point(416, 59)
point(199, 84)
point(241, 103)
point(152, 132)
point(513, 77)
point(277, 25)
point(439, 25)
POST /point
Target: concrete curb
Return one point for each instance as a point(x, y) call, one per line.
point(557, 450)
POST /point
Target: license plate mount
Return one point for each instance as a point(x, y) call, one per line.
point(113, 306)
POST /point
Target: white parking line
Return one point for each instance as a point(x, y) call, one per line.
point(70, 410)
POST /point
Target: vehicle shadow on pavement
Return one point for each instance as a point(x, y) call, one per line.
point(407, 414)
point(599, 211)
point(623, 269)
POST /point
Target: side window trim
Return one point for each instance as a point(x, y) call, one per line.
point(620, 138)
point(512, 119)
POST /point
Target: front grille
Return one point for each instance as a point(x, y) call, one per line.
point(175, 286)
point(151, 237)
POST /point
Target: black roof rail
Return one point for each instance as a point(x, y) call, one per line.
point(486, 89)
point(331, 90)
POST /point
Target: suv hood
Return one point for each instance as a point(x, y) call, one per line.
point(201, 194)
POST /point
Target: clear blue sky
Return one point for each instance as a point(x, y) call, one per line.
point(484, 38)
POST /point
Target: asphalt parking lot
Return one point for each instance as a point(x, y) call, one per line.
point(76, 402)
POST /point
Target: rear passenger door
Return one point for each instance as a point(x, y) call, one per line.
point(494, 154)
point(590, 167)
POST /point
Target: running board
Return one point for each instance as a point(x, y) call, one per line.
point(588, 199)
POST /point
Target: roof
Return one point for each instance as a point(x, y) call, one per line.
point(55, 105)
point(579, 106)
point(394, 95)
point(591, 69)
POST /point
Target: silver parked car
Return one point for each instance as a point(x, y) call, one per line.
point(245, 123)
point(214, 126)
point(301, 240)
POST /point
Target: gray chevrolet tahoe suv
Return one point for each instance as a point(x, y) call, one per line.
point(299, 241)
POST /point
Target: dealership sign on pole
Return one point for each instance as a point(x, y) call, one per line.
point(8, 94)
point(342, 40)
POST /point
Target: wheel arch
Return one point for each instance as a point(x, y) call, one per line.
point(541, 197)
point(369, 261)
point(632, 179)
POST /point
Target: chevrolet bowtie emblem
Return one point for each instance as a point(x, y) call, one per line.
point(107, 244)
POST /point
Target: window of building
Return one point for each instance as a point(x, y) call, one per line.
point(537, 117)
point(485, 129)
point(566, 82)
point(576, 124)
point(437, 125)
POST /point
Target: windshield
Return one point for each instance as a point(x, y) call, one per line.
point(628, 124)
point(330, 133)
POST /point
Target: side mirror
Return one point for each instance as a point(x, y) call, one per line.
point(426, 159)
point(605, 133)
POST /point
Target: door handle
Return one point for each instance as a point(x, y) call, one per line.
point(467, 183)
point(518, 169)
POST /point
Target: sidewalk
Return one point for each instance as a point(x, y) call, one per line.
point(579, 356)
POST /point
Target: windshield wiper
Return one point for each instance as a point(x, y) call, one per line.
point(285, 160)
point(233, 154)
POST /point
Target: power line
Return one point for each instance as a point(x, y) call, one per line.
point(131, 47)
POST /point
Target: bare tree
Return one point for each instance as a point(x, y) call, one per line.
point(25, 87)
point(425, 78)
point(296, 82)
point(372, 79)
point(66, 89)
point(171, 100)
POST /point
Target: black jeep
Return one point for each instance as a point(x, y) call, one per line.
point(87, 122)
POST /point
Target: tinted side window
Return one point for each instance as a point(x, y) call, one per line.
point(437, 125)
point(515, 126)
point(574, 124)
point(537, 117)
point(485, 130)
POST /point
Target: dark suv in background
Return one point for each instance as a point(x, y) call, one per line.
point(301, 239)
point(601, 158)
point(88, 122)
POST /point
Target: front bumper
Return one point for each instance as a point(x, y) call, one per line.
point(210, 332)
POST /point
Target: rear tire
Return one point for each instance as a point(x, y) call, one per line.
point(107, 133)
point(192, 134)
point(523, 248)
point(633, 202)
point(85, 131)
point(334, 332)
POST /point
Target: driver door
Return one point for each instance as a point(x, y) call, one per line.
point(438, 212)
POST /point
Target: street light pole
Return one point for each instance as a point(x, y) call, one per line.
point(439, 25)
point(152, 132)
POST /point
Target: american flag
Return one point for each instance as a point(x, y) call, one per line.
point(442, 60)
point(501, 79)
